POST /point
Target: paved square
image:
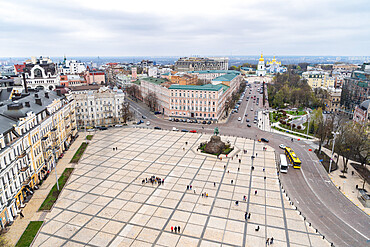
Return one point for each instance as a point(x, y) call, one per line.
point(105, 202)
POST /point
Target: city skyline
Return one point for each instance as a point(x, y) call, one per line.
point(110, 28)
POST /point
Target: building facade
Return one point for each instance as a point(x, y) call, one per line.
point(198, 63)
point(41, 73)
point(274, 67)
point(35, 130)
point(97, 106)
point(319, 79)
point(355, 90)
point(361, 113)
point(72, 80)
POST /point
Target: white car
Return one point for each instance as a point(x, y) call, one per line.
point(239, 119)
point(282, 146)
point(118, 125)
point(175, 129)
point(147, 123)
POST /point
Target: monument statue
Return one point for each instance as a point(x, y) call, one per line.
point(216, 131)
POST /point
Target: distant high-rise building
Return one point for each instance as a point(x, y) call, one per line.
point(198, 63)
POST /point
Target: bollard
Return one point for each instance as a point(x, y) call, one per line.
point(323, 237)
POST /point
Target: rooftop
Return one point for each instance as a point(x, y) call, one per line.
point(226, 77)
point(157, 81)
point(214, 71)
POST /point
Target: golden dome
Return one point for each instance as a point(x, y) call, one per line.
point(261, 59)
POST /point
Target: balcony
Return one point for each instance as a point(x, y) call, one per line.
point(22, 154)
point(26, 182)
point(24, 168)
point(53, 129)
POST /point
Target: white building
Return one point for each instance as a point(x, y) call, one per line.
point(261, 69)
point(96, 105)
point(41, 72)
point(71, 67)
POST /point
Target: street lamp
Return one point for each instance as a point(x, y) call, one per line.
point(55, 167)
point(332, 151)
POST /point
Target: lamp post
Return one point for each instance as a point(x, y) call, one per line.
point(332, 151)
point(308, 124)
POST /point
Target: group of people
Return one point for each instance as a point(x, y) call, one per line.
point(176, 229)
point(115, 149)
point(269, 241)
point(153, 180)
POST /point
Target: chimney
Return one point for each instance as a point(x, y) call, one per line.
point(27, 104)
point(59, 92)
point(38, 101)
point(24, 83)
point(46, 95)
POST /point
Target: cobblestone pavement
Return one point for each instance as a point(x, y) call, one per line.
point(30, 211)
point(105, 202)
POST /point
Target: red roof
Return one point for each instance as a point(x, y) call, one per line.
point(19, 67)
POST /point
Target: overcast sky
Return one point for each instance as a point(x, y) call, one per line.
point(184, 28)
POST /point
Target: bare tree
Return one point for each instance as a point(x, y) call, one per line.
point(152, 101)
point(125, 112)
point(134, 91)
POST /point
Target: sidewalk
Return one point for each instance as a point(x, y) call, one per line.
point(348, 185)
point(30, 211)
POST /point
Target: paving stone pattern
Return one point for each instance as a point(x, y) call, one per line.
point(106, 204)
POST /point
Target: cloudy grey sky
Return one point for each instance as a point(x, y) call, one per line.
point(192, 27)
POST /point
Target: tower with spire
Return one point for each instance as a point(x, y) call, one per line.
point(261, 70)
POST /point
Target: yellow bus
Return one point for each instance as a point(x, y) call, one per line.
point(293, 158)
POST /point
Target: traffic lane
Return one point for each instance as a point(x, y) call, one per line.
point(315, 212)
point(327, 192)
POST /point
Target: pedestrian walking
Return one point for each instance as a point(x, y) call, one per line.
point(224, 166)
point(263, 169)
point(255, 192)
point(227, 171)
point(256, 154)
point(232, 181)
point(246, 215)
point(244, 198)
point(175, 229)
point(171, 228)
point(257, 228)
point(191, 186)
point(264, 177)
point(178, 229)
point(183, 149)
point(113, 149)
point(272, 240)
point(268, 241)
point(252, 168)
point(249, 216)
point(236, 203)
point(214, 184)
point(237, 156)
point(187, 187)
point(240, 161)
point(21, 214)
point(194, 192)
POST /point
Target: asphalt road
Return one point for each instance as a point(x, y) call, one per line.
point(309, 188)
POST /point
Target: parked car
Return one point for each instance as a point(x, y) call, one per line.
point(249, 125)
point(264, 139)
point(147, 123)
point(247, 120)
point(157, 112)
point(157, 128)
point(204, 122)
point(118, 125)
point(246, 114)
point(193, 131)
point(184, 130)
point(103, 128)
point(239, 119)
point(209, 122)
point(175, 129)
point(144, 117)
point(140, 122)
point(176, 120)
point(170, 119)
point(90, 130)
point(251, 109)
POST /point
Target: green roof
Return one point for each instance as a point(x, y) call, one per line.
point(227, 77)
point(157, 81)
point(225, 87)
point(215, 71)
point(207, 87)
point(136, 82)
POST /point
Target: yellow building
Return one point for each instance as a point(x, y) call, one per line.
point(318, 79)
point(27, 127)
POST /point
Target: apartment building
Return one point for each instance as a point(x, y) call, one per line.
point(208, 75)
point(71, 67)
point(318, 78)
point(41, 73)
point(158, 87)
point(184, 79)
point(355, 90)
point(97, 105)
point(35, 129)
point(72, 80)
point(333, 102)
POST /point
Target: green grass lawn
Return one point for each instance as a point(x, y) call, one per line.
point(29, 234)
point(289, 132)
point(54, 192)
point(299, 113)
point(89, 137)
point(79, 153)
